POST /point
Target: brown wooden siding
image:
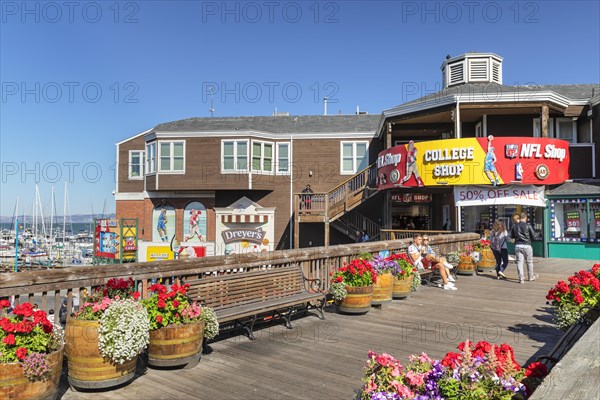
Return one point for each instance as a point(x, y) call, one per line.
point(125, 184)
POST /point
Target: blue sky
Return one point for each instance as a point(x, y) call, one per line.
point(78, 78)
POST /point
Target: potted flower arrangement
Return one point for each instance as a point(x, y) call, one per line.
point(487, 260)
point(404, 276)
point(104, 338)
point(352, 286)
point(384, 286)
point(465, 263)
point(30, 354)
point(177, 327)
point(576, 299)
point(483, 371)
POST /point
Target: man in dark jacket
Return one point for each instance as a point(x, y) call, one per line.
point(523, 234)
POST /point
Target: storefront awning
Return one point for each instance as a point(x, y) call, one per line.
point(244, 219)
point(524, 195)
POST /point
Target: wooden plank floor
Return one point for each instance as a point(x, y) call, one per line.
point(324, 359)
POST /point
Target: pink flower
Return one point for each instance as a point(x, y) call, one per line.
point(402, 390)
point(414, 379)
point(424, 358)
point(370, 386)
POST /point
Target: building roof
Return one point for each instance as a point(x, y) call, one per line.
point(277, 124)
point(575, 189)
point(581, 92)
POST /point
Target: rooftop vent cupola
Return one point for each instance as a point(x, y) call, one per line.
point(472, 68)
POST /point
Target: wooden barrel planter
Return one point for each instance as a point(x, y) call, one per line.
point(402, 287)
point(175, 346)
point(15, 386)
point(358, 300)
point(87, 368)
point(465, 266)
point(382, 289)
point(487, 261)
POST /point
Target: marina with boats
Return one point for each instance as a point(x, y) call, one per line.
point(46, 240)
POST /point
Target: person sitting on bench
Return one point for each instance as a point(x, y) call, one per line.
point(433, 259)
point(416, 252)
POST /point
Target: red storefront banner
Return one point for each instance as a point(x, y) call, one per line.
point(474, 161)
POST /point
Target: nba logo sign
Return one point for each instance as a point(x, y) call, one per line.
point(511, 150)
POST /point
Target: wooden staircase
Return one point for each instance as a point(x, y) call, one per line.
point(354, 221)
point(328, 207)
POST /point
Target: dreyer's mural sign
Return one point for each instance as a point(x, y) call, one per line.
point(243, 235)
point(474, 161)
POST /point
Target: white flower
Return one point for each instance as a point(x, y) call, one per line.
point(124, 331)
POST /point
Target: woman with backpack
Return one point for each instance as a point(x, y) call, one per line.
point(499, 239)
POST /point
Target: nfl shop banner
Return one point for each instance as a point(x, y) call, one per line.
point(528, 195)
point(474, 161)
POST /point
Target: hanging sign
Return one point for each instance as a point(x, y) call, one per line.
point(512, 194)
point(412, 198)
point(474, 161)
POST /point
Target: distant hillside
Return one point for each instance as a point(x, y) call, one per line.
point(76, 218)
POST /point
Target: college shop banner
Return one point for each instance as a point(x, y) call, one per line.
point(490, 161)
point(527, 195)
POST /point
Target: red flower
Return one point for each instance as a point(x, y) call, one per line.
point(339, 278)
point(4, 303)
point(6, 325)
point(175, 303)
point(161, 303)
point(10, 339)
point(485, 346)
point(39, 316)
point(25, 309)
point(159, 319)
point(451, 359)
point(462, 345)
point(536, 370)
point(157, 287)
point(136, 295)
point(21, 353)
point(47, 326)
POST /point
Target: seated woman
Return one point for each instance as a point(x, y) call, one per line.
point(420, 259)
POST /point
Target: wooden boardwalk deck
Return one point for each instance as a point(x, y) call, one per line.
point(324, 359)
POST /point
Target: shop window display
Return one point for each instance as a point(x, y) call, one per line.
point(575, 220)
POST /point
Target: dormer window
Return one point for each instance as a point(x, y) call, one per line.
point(471, 68)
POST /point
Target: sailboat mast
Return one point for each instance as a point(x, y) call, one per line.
point(52, 215)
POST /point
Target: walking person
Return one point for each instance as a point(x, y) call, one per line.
point(499, 244)
point(523, 234)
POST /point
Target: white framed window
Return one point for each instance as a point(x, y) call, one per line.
point(537, 131)
point(283, 158)
point(262, 156)
point(151, 158)
point(566, 129)
point(171, 155)
point(136, 164)
point(234, 156)
point(353, 157)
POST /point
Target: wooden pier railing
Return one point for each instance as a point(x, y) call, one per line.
point(48, 288)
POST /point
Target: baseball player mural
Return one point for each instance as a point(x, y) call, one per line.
point(411, 165)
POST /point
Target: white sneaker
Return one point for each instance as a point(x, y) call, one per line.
point(451, 279)
point(448, 265)
point(448, 287)
point(450, 283)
